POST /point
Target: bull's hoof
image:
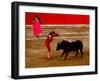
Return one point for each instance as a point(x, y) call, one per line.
point(64, 59)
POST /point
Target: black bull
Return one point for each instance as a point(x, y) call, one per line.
point(67, 47)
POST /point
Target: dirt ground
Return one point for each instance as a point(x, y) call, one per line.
point(36, 52)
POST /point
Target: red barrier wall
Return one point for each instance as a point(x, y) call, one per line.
point(48, 18)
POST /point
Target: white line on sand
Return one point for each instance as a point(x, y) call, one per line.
point(42, 38)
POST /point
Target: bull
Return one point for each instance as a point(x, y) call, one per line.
point(68, 46)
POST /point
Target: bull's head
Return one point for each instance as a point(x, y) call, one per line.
point(58, 46)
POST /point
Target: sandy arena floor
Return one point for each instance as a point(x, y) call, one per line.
point(36, 53)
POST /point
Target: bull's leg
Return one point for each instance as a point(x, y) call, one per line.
point(63, 53)
point(66, 55)
point(76, 52)
point(81, 52)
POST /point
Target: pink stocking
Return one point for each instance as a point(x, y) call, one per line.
point(49, 55)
